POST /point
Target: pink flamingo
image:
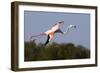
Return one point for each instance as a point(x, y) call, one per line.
point(55, 29)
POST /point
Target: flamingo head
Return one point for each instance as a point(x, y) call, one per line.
point(60, 23)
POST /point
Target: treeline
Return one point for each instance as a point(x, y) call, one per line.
point(54, 51)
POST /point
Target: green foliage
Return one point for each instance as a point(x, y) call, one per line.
point(54, 51)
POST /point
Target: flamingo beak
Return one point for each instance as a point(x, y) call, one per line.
point(62, 22)
point(74, 26)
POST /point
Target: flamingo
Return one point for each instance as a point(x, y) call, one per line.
point(55, 29)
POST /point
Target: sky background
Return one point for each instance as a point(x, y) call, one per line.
point(36, 22)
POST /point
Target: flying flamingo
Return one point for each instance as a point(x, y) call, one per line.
point(55, 29)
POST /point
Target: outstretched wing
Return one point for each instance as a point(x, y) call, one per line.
point(69, 29)
point(49, 38)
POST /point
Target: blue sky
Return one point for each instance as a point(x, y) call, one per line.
point(36, 22)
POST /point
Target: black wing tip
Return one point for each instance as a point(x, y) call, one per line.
point(48, 37)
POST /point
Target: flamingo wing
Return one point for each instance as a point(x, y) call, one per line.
point(49, 38)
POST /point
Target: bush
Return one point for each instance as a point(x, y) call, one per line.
point(54, 51)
